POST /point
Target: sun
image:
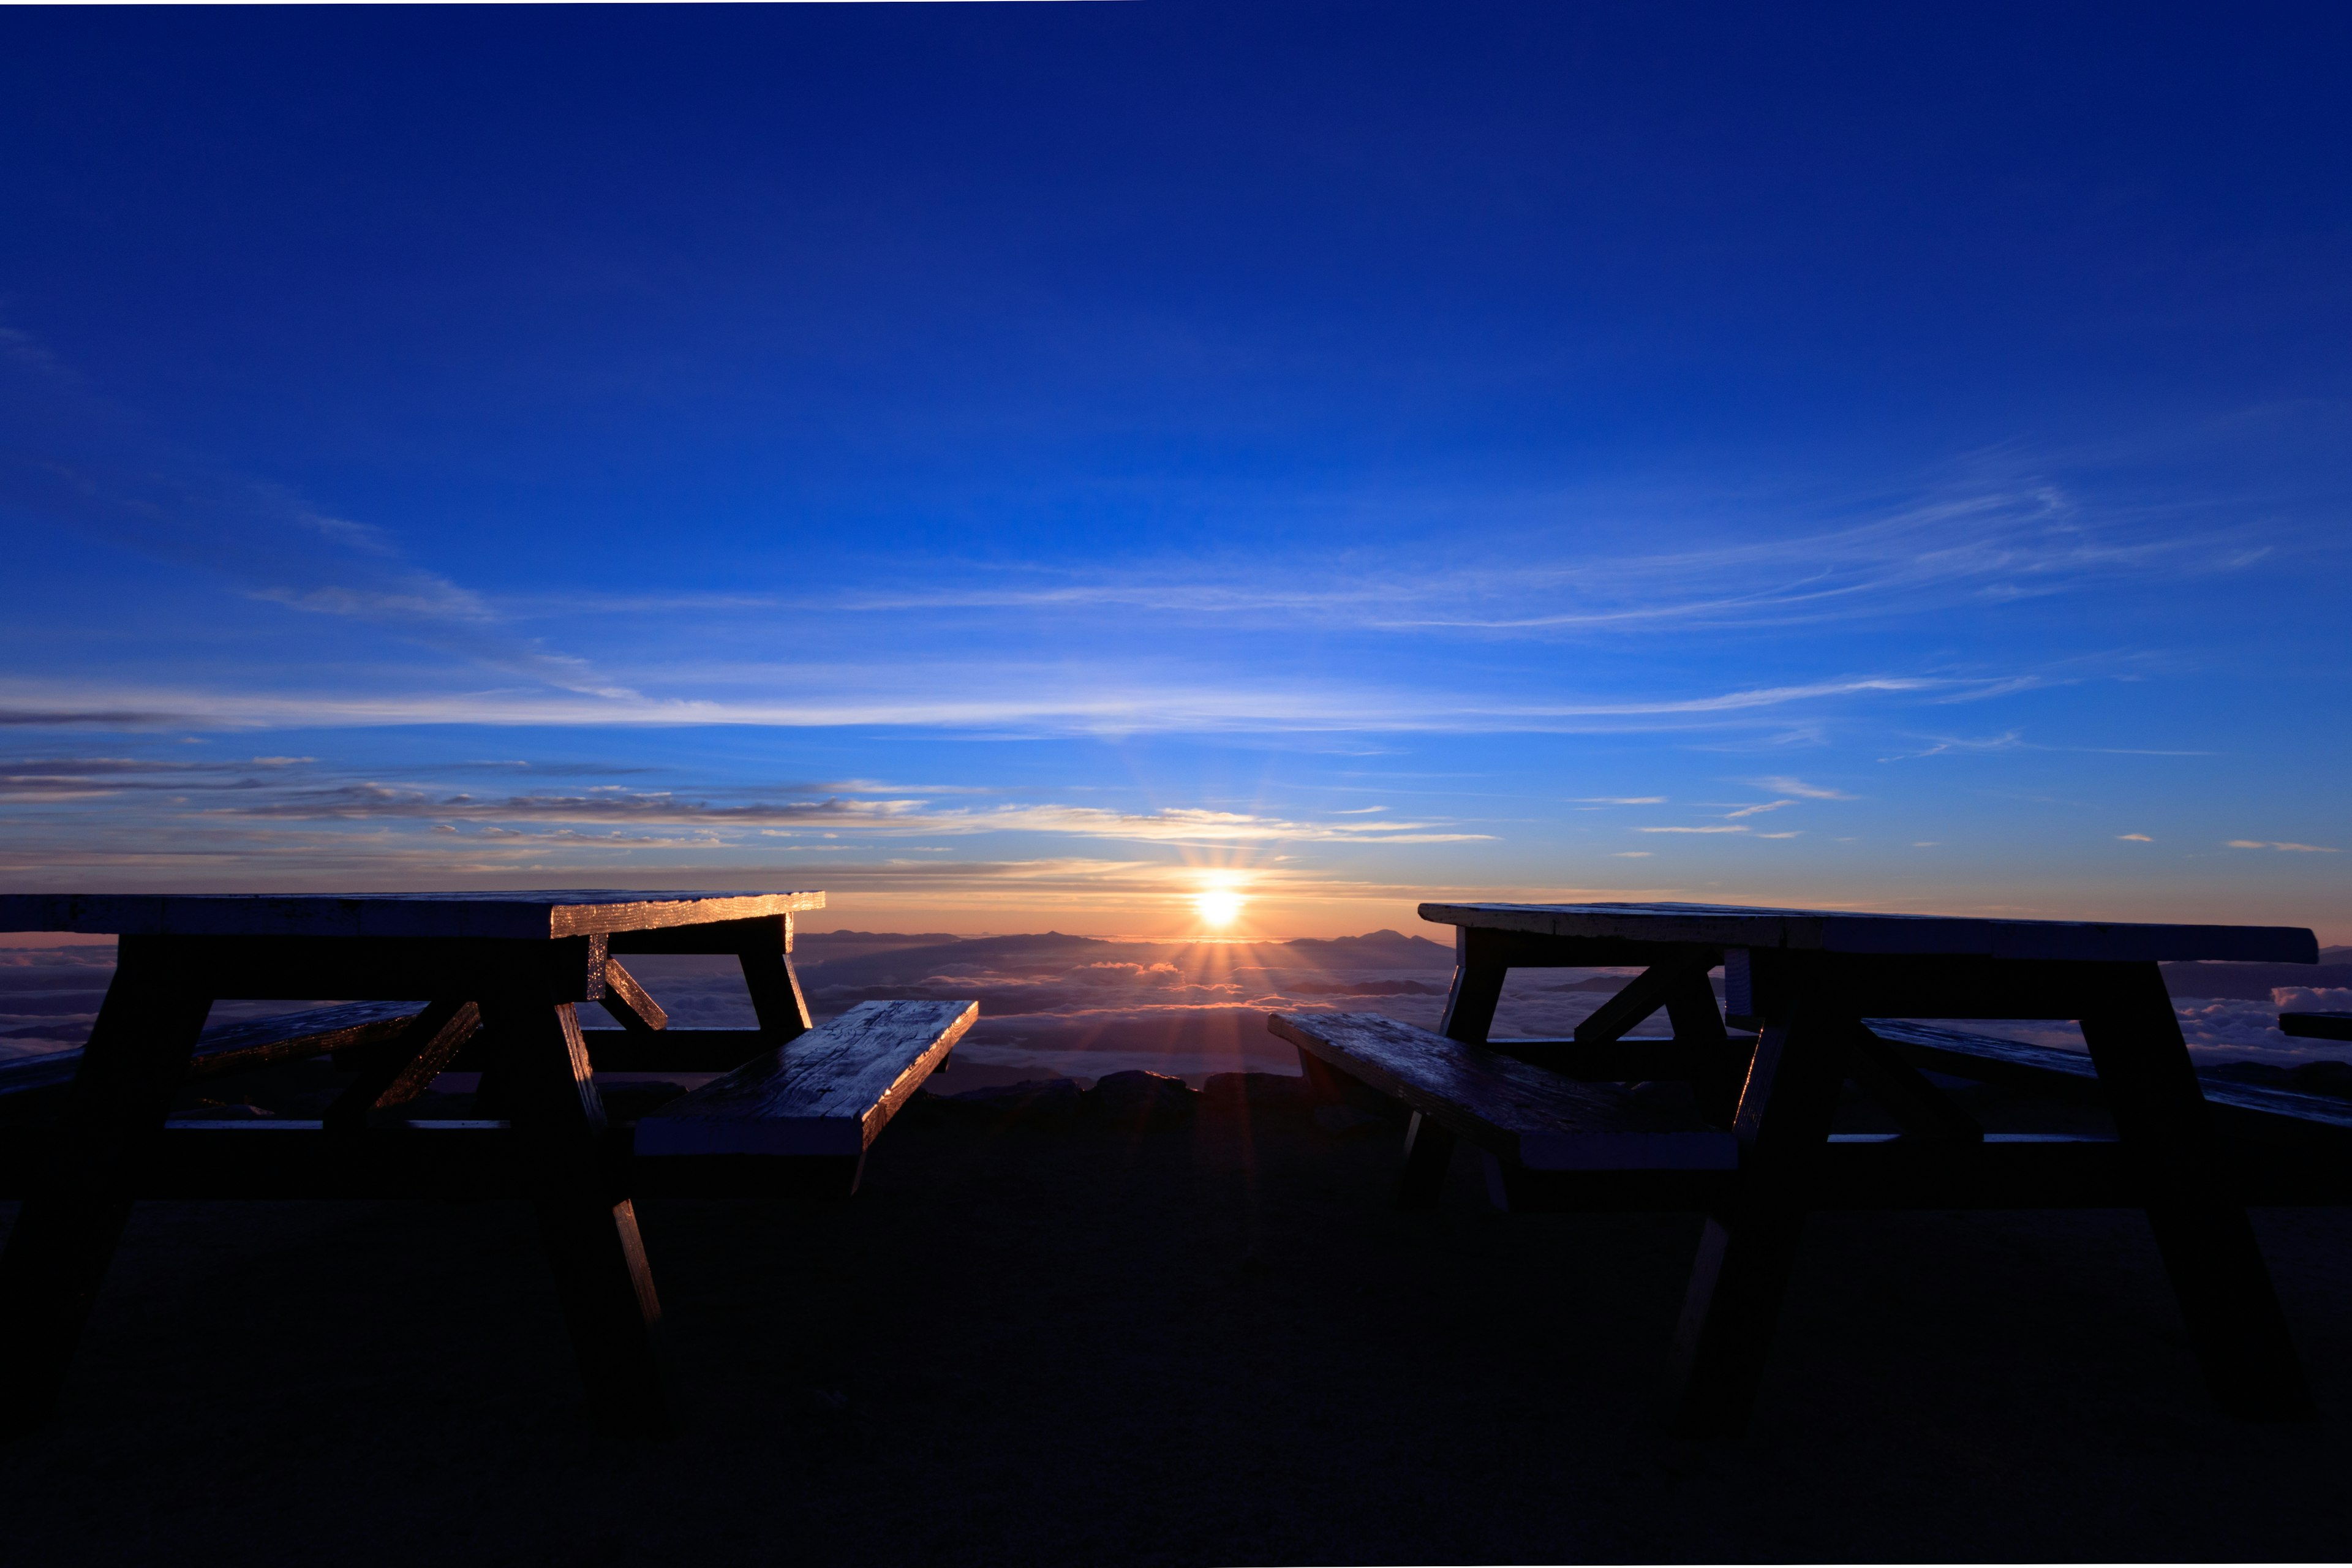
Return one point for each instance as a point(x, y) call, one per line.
point(1218, 906)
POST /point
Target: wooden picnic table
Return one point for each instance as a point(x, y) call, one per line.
point(517, 965)
point(1805, 981)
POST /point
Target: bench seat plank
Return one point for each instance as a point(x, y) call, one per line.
point(1538, 1119)
point(829, 1092)
point(1959, 1054)
point(226, 1048)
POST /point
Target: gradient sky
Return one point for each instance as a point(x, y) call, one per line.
point(1005, 464)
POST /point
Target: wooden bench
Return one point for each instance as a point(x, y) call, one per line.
point(2318, 1026)
point(825, 1097)
point(1553, 1144)
point(228, 1048)
point(793, 1121)
point(2285, 1148)
point(1526, 1119)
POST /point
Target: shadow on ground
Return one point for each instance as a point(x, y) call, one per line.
point(1209, 1341)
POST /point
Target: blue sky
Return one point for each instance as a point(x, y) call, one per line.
point(1011, 465)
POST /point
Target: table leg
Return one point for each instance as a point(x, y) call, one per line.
point(591, 1241)
point(1721, 1068)
point(1428, 1154)
point(2201, 1230)
point(1478, 989)
point(1749, 1251)
point(404, 1067)
point(775, 986)
point(1469, 1016)
point(66, 1231)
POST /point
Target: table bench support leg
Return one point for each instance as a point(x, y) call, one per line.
point(1428, 1152)
point(1477, 988)
point(405, 1066)
point(2201, 1231)
point(1470, 1006)
point(1747, 1252)
point(66, 1231)
point(775, 986)
point(1722, 1067)
point(1326, 1085)
point(591, 1241)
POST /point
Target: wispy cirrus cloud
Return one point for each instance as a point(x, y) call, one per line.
point(1985, 537)
point(1009, 700)
point(2015, 741)
point(245, 792)
point(79, 464)
point(1780, 784)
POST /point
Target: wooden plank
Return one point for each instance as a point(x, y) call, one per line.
point(1839, 930)
point(1521, 1112)
point(829, 1092)
point(65, 1235)
point(571, 969)
point(1764, 983)
point(659, 911)
point(1721, 1072)
point(1642, 995)
point(1904, 1092)
point(1534, 950)
point(525, 916)
point(228, 1048)
point(713, 937)
point(2317, 1026)
point(2209, 1248)
point(765, 956)
point(2072, 1075)
point(593, 1245)
point(398, 1071)
point(1634, 1059)
point(628, 1003)
point(1956, 1053)
point(1481, 962)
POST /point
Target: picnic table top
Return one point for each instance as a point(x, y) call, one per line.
point(1845, 931)
point(569, 911)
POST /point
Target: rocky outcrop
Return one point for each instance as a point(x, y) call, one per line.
point(1138, 1096)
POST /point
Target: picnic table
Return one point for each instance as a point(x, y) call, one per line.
point(1766, 1069)
point(501, 976)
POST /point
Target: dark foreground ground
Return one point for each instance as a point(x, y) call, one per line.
point(1208, 1343)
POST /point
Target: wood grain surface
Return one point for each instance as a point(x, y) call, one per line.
point(1539, 1118)
point(567, 912)
point(1839, 930)
point(829, 1092)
